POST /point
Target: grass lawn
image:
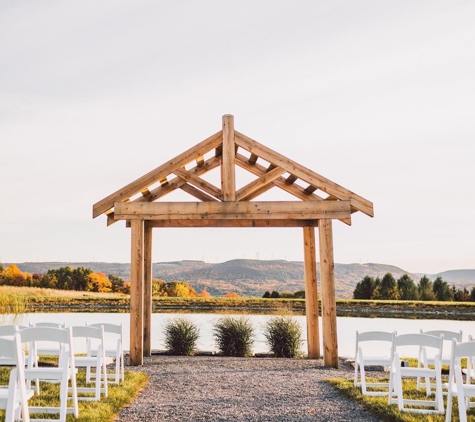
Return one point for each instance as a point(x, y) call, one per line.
point(378, 406)
point(89, 411)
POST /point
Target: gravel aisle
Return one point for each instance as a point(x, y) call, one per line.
point(198, 389)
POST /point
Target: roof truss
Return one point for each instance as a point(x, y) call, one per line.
point(226, 206)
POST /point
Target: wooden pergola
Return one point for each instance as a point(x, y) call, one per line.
point(319, 202)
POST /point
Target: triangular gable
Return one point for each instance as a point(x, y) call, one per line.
point(248, 154)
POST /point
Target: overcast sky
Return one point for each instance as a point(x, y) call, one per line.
point(378, 96)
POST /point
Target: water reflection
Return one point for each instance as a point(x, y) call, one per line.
point(346, 326)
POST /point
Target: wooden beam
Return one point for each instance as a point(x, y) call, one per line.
point(199, 183)
point(327, 284)
point(232, 223)
point(304, 173)
point(198, 194)
point(147, 292)
point(253, 159)
point(291, 179)
point(175, 183)
point(136, 293)
point(245, 192)
point(281, 182)
point(157, 174)
point(311, 293)
point(200, 161)
point(228, 177)
point(265, 210)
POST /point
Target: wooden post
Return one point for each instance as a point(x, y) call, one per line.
point(228, 177)
point(327, 285)
point(136, 293)
point(311, 293)
point(147, 292)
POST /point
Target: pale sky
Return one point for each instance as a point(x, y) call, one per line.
point(378, 96)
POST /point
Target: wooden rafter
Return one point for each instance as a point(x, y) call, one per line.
point(303, 173)
point(265, 181)
point(198, 194)
point(202, 184)
point(282, 183)
point(153, 176)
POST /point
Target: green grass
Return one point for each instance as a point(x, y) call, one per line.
point(105, 410)
point(378, 406)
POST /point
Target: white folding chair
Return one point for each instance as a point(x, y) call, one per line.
point(62, 374)
point(426, 359)
point(410, 343)
point(112, 332)
point(14, 398)
point(46, 349)
point(92, 335)
point(461, 353)
point(365, 342)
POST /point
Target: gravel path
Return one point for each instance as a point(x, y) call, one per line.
point(212, 389)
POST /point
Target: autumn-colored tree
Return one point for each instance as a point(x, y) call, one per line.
point(98, 282)
point(204, 293)
point(13, 276)
point(231, 294)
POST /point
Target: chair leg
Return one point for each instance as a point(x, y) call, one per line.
point(448, 413)
point(438, 392)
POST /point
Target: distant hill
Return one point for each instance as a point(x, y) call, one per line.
point(248, 277)
point(457, 276)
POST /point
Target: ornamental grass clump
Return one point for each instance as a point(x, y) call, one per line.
point(181, 336)
point(284, 337)
point(234, 336)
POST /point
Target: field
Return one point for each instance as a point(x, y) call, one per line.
point(25, 299)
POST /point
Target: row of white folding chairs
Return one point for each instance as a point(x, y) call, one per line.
point(62, 338)
point(429, 367)
point(113, 333)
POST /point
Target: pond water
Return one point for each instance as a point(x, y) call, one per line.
point(346, 327)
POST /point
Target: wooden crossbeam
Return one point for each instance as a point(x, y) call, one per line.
point(175, 183)
point(304, 173)
point(247, 191)
point(266, 210)
point(291, 179)
point(178, 182)
point(231, 223)
point(199, 183)
point(281, 182)
point(162, 171)
point(200, 161)
point(198, 194)
point(310, 189)
point(253, 159)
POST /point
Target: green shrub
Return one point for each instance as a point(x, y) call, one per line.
point(181, 336)
point(284, 337)
point(234, 336)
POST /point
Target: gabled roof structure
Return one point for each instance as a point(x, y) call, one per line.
point(317, 200)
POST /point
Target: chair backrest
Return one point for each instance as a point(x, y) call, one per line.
point(89, 334)
point(374, 336)
point(111, 331)
point(7, 331)
point(459, 351)
point(412, 343)
point(62, 337)
point(448, 335)
point(48, 324)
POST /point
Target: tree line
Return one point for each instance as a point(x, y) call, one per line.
point(84, 279)
point(404, 288)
